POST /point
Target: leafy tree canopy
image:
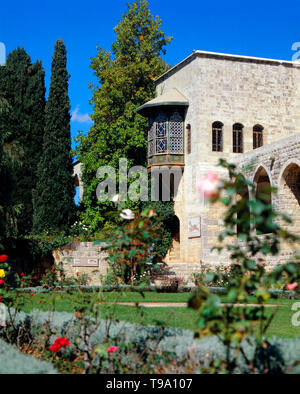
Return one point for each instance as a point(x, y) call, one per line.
point(125, 81)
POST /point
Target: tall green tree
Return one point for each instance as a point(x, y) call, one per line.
point(125, 81)
point(8, 211)
point(53, 199)
point(22, 86)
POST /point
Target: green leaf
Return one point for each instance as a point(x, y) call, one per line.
point(250, 265)
point(256, 206)
point(226, 200)
point(132, 253)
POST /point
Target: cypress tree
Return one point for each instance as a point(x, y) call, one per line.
point(53, 199)
point(8, 211)
point(22, 86)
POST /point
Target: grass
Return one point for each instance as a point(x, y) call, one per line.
point(176, 317)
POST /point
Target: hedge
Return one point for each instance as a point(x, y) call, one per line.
point(13, 362)
point(275, 293)
point(180, 342)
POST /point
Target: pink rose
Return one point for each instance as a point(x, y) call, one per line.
point(112, 349)
point(208, 186)
point(292, 286)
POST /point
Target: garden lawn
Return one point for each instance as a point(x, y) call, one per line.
point(165, 316)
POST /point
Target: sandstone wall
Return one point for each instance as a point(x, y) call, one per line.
point(230, 90)
point(82, 258)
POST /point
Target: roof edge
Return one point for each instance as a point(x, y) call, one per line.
point(162, 104)
point(197, 53)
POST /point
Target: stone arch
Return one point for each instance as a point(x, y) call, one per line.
point(289, 194)
point(287, 164)
point(174, 225)
point(242, 199)
point(263, 192)
point(259, 168)
point(174, 252)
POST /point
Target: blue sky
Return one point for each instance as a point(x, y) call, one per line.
point(255, 28)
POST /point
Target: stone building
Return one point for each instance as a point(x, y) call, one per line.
point(211, 106)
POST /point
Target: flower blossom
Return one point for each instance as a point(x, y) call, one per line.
point(54, 348)
point(59, 343)
point(3, 258)
point(116, 199)
point(2, 273)
point(208, 185)
point(112, 349)
point(292, 286)
point(127, 214)
point(2, 282)
point(151, 213)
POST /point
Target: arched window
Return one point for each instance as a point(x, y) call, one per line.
point(264, 194)
point(257, 136)
point(217, 137)
point(237, 138)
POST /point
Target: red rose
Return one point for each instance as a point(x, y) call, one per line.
point(22, 273)
point(35, 277)
point(62, 342)
point(0, 297)
point(3, 258)
point(54, 348)
point(32, 294)
point(2, 282)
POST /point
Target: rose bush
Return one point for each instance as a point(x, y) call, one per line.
point(233, 325)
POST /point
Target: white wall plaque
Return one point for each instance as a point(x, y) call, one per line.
point(194, 227)
point(86, 262)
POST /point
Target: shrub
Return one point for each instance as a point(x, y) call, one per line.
point(178, 346)
point(224, 275)
point(129, 246)
point(13, 362)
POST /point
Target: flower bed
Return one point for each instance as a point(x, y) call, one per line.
point(177, 346)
